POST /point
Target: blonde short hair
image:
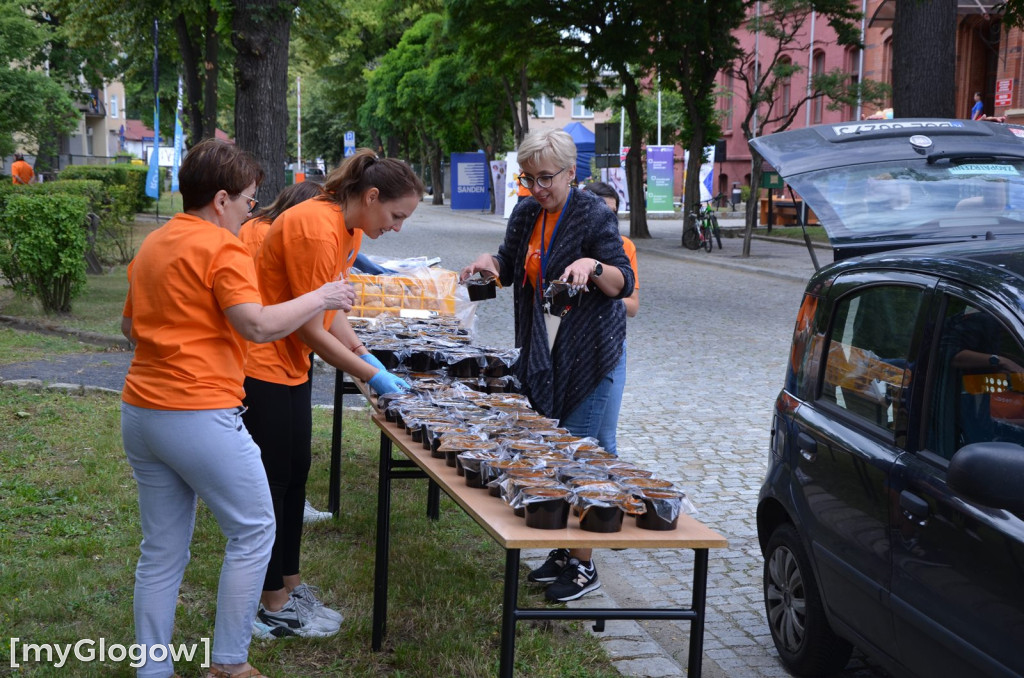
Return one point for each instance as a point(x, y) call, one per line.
point(548, 144)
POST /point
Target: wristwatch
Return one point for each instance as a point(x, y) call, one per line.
point(993, 360)
point(598, 270)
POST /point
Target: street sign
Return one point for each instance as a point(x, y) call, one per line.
point(1004, 92)
point(772, 180)
point(350, 143)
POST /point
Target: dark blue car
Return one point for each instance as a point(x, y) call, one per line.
point(892, 514)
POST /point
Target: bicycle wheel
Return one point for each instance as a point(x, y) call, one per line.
point(705, 232)
point(717, 231)
point(691, 238)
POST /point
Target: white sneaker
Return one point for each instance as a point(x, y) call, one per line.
point(293, 619)
point(312, 515)
point(306, 595)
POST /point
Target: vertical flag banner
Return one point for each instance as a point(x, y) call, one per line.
point(511, 183)
point(707, 174)
point(178, 141)
point(660, 179)
point(153, 175)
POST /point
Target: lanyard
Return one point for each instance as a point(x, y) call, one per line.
point(544, 251)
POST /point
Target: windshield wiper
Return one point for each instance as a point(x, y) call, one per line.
point(973, 155)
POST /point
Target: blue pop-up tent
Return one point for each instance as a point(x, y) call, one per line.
point(584, 140)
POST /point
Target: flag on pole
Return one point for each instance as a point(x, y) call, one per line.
point(153, 175)
point(178, 141)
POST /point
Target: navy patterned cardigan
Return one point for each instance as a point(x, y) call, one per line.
point(591, 335)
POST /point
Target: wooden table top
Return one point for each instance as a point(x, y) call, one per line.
point(511, 532)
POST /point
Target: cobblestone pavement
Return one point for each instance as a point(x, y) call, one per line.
point(706, 358)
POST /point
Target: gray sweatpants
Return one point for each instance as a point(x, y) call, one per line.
point(177, 456)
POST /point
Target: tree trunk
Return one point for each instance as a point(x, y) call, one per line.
point(754, 202)
point(924, 59)
point(524, 105)
point(190, 59)
point(211, 78)
point(634, 168)
point(260, 34)
point(437, 172)
point(691, 188)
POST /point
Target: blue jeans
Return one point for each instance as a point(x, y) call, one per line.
point(177, 456)
point(598, 415)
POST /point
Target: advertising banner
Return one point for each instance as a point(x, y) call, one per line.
point(470, 182)
point(707, 172)
point(660, 179)
point(498, 181)
point(511, 182)
point(616, 178)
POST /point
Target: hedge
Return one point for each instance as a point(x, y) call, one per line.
point(42, 247)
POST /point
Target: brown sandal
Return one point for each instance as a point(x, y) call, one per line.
point(251, 672)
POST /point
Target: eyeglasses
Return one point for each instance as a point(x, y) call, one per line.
point(253, 202)
point(544, 180)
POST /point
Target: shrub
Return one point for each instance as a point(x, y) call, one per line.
point(42, 247)
point(131, 176)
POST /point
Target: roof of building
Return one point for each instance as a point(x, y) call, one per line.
point(136, 130)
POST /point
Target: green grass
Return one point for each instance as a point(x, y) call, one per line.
point(817, 233)
point(98, 309)
point(16, 346)
point(69, 538)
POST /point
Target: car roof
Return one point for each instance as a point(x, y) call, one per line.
point(887, 184)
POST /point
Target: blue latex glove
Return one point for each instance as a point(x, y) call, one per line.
point(385, 382)
point(371, 359)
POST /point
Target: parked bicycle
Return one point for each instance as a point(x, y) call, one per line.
point(701, 226)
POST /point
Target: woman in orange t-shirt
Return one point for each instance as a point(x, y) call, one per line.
point(313, 242)
point(255, 229)
point(192, 304)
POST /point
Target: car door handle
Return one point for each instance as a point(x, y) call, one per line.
point(808, 446)
point(915, 509)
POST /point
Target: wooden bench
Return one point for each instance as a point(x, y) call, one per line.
point(510, 532)
point(785, 212)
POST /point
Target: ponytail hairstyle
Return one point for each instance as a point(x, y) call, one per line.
point(360, 172)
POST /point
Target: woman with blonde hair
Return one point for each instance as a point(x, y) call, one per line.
point(571, 354)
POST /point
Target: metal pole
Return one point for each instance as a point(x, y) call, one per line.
point(810, 70)
point(659, 109)
point(298, 119)
point(860, 58)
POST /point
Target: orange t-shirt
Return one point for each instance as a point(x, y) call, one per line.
point(307, 246)
point(549, 220)
point(187, 355)
point(252, 234)
point(21, 172)
point(630, 248)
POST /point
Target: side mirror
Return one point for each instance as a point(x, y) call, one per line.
point(990, 474)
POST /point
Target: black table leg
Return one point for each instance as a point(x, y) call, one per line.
point(699, 605)
point(509, 608)
point(433, 500)
point(334, 482)
point(380, 570)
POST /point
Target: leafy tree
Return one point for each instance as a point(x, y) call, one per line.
point(701, 44)
point(336, 42)
point(517, 45)
point(36, 108)
point(765, 77)
point(193, 39)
